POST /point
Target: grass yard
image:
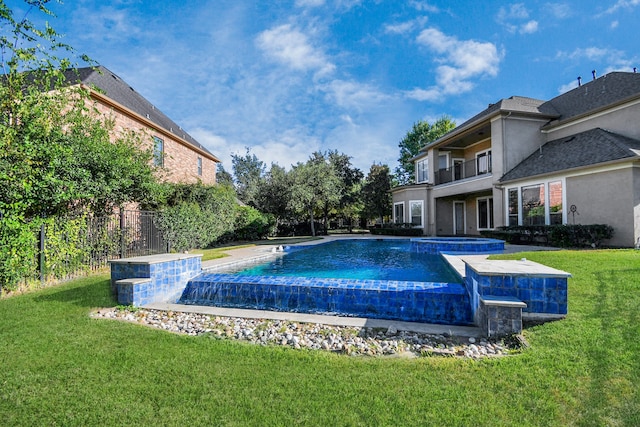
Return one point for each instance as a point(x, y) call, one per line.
point(58, 366)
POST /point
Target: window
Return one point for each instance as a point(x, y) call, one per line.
point(555, 202)
point(536, 204)
point(533, 210)
point(415, 209)
point(513, 206)
point(483, 162)
point(158, 152)
point(422, 170)
point(398, 212)
point(443, 161)
point(485, 213)
point(199, 166)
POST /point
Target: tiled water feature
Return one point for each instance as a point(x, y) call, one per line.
point(491, 294)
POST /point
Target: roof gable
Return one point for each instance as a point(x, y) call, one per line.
point(587, 148)
point(119, 91)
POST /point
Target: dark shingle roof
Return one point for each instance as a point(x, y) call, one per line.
point(118, 90)
point(606, 90)
point(582, 149)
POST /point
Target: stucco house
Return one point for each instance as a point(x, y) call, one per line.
point(572, 159)
point(183, 158)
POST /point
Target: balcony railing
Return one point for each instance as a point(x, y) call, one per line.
point(463, 170)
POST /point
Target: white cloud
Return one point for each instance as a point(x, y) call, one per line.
point(352, 94)
point(511, 18)
point(514, 11)
point(622, 4)
point(423, 6)
point(309, 3)
point(614, 25)
point(406, 27)
point(559, 10)
point(461, 61)
point(291, 47)
point(529, 28)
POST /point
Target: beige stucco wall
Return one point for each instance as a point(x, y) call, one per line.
point(414, 192)
point(622, 120)
point(180, 160)
point(607, 198)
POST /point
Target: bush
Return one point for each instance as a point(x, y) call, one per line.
point(566, 235)
point(18, 250)
point(197, 216)
point(251, 224)
point(393, 229)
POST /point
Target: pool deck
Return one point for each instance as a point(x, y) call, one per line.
point(263, 252)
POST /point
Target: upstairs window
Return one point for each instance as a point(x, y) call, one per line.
point(199, 166)
point(158, 152)
point(422, 170)
point(483, 162)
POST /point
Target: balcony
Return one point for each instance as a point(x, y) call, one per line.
point(479, 166)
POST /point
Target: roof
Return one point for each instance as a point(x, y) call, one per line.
point(514, 104)
point(587, 148)
point(119, 91)
point(605, 91)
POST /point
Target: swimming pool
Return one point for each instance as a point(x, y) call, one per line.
point(365, 278)
point(356, 259)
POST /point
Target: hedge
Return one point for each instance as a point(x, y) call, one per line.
point(566, 235)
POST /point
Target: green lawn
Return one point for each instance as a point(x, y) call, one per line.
point(58, 366)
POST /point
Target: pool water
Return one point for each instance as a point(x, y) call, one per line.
point(357, 260)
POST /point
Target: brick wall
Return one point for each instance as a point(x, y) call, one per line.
point(180, 159)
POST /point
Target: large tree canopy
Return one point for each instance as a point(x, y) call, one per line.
point(421, 134)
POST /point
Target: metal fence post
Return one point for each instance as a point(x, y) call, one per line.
point(41, 260)
point(122, 240)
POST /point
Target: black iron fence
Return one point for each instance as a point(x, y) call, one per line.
point(463, 170)
point(71, 247)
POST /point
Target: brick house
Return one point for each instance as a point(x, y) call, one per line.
point(572, 159)
point(183, 158)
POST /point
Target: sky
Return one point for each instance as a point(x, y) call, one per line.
point(289, 78)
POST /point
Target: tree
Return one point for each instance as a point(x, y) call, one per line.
point(421, 134)
point(274, 193)
point(313, 185)
point(222, 176)
point(56, 155)
point(376, 192)
point(350, 184)
point(248, 171)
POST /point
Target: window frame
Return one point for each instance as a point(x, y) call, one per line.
point(478, 156)
point(490, 220)
point(421, 204)
point(422, 173)
point(547, 196)
point(395, 216)
point(158, 151)
point(199, 166)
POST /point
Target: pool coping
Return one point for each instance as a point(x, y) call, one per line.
point(257, 253)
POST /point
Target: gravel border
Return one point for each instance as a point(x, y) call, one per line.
point(298, 335)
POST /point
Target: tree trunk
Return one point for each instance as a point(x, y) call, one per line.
point(313, 227)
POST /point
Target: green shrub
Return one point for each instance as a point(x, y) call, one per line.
point(18, 250)
point(400, 229)
point(196, 215)
point(565, 235)
point(251, 224)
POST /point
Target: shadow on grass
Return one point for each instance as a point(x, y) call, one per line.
point(612, 353)
point(90, 292)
